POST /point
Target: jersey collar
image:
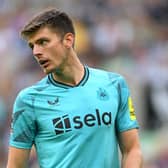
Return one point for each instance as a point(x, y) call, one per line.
point(81, 83)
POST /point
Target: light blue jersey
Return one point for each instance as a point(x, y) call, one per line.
point(74, 127)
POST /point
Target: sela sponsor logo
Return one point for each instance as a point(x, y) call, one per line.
point(62, 124)
point(65, 124)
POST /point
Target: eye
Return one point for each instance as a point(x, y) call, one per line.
point(43, 42)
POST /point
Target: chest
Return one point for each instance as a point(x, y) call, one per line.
point(77, 109)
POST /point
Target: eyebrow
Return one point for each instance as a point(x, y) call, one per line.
point(41, 39)
point(38, 41)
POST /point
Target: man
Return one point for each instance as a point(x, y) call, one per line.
point(76, 116)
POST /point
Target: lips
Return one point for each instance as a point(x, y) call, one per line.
point(43, 63)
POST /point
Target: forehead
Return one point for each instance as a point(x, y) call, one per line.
point(44, 32)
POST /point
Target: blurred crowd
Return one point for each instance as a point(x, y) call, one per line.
point(129, 37)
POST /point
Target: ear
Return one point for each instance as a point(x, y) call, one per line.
point(68, 40)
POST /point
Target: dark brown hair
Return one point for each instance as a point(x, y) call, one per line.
point(58, 21)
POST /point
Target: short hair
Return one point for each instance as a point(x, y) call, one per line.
point(57, 20)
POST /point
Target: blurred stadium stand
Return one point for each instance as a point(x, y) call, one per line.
point(126, 36)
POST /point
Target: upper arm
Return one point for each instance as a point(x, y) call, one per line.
point(130, 149)
point(129, 140)
point(126, 117)
point(17, 157)
point(23, 131)
point(126, 128)
point(23, 126)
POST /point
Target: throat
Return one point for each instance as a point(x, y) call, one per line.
point(72, 77)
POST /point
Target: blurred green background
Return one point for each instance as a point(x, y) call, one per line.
point(129, 37)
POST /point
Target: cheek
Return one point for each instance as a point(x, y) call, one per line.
point(52, 53)
point(56, 55)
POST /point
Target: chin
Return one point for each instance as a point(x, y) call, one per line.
point(46, 71)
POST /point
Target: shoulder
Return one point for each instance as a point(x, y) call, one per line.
point(28, 94)
point(112, 77)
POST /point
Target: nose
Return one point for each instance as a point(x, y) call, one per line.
point(37, 51)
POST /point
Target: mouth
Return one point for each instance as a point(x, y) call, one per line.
point(43, 63)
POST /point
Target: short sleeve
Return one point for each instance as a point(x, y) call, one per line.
point(126, 117)
point(23, 126)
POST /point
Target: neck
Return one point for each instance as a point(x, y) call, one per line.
point(71, 72)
